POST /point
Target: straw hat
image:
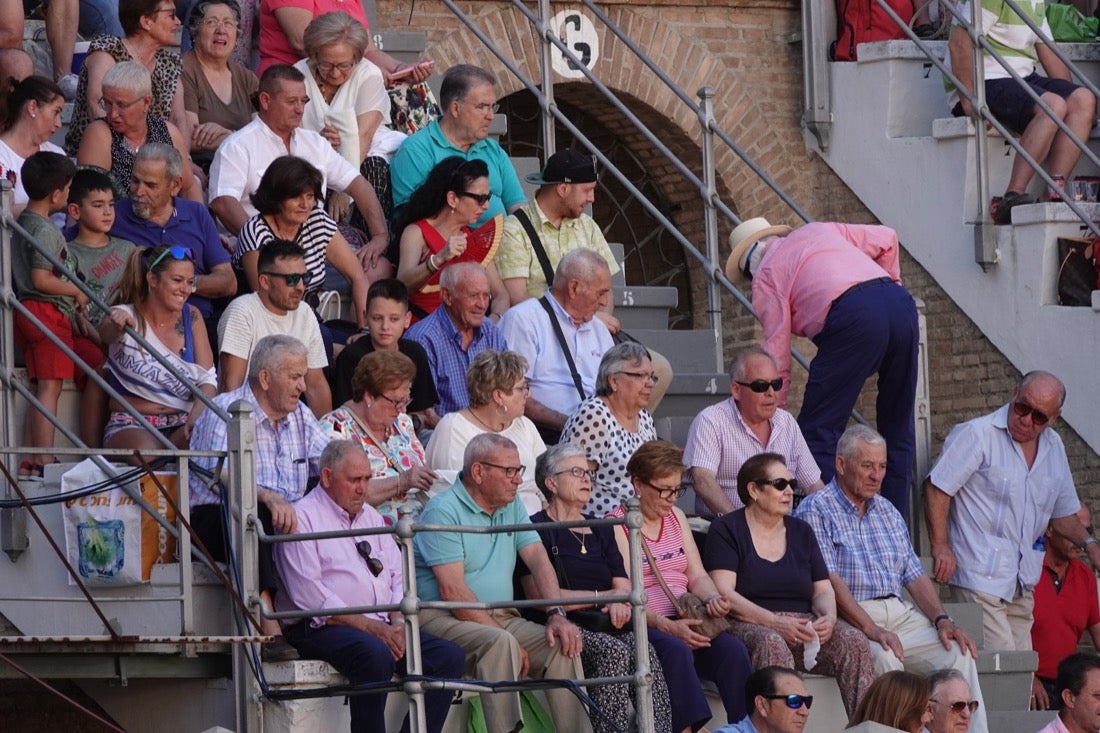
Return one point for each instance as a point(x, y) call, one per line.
point(744, 236)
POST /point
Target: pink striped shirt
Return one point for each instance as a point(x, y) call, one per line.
point(668, 551)
point(801, 275)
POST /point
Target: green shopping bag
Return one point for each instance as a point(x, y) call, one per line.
point(535, 718)
point(1068, 25)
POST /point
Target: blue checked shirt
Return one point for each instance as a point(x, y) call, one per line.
point(288, 452)
point(872, 553)
point(443, 343)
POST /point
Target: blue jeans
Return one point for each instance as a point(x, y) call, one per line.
point(363, 659)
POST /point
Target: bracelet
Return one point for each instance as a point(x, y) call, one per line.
point(430, 264)
point(941, 617)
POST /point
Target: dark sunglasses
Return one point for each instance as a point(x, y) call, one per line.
point(957, 707)
point(373, 563)
point(177, 252)
point(291, 278)
point(779, 484)
point(794, 702)
point(1022, 409)
point(760, 386)
point(480, 198)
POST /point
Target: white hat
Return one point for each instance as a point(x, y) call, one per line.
point(744, 236)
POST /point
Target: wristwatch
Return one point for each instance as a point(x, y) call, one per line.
point(556, 610)
point(1089, 541)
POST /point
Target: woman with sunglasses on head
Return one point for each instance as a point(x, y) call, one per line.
point(435, 233)
point(769, 567)
point(898, 700)
point(152, 299)
point(657, 470)
point(498, 392)
point(611, 425)
point(376, 419)
point(287, 207)
point(588, 562)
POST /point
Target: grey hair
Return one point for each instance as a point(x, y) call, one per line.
point(454, 274)
point(173, 161)
point(459, 80)
point(628, 353)
point(546, 465)
point(846, 446)
point(737, 367)
point(483, 446)
point(940, 676)
point(269, 354)
point(333, 454)
point(129, 76)
point(198, 14)
point(1039, 374)
point(580, 264)
point(329, 28)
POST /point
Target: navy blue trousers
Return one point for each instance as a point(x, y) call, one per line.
point(725, 663)
point(869, 331)
point(363, 658)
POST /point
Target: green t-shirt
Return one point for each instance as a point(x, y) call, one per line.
point(102, 268)
point(26, 258)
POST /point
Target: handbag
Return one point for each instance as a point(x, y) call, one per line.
point(689, 605)
point(1069, 25)
point(1077, 271)
point(591, 619)
point(535, 717)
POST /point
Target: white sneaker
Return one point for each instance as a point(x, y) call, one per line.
point(68, 84)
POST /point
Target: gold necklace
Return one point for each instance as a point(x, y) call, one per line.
point(578, 536)
point(486, 425)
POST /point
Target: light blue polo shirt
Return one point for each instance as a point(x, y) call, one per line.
point(426, 148)
point(488, 559)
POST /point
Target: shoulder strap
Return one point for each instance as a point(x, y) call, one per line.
point(564, 346)
point(657, 574)
point(536, 244)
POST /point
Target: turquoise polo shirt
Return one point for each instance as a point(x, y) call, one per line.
point(488, 559)
point(426, 148)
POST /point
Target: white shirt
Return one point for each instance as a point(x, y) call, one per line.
point(364, 91)
point(11, 167)
point(243, 157)
point(246, 321)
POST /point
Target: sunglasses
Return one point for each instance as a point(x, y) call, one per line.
point(779, 484)
point(291, 278)
point(1022, 409)
point(577, 472)
point(958, 706)
point(794, 702)
point(177, 252)
point(760, 386)
point(667, 493)
point(373, 563)
point(480, 198)
point(509, 471)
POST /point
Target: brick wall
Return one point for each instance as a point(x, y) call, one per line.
point(749, 52)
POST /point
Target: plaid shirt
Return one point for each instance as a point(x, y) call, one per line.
point(449, 361)
point(288, 451)
point(872, 553)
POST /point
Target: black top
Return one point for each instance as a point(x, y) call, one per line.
point(784, 585)
point(423, 393)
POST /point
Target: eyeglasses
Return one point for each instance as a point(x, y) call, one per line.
point(480, 198)
point(398, 404)
point(525, 388)
point(779, 484)
point(650, 378)
point(509, 471)
point(577, 472)
point(162, 11)
point(794, 702)
point(760, 386)
point(483, 107)
point(228, 24)
point(177, 252)
point(107, 105)
point(326, 68)
point(957, 706)
point(373, 563)
point(290, 278)
point(666, 493)
point(1022, 409)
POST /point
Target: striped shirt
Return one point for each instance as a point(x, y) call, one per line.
point(313, 237)
point(871, 553)
point(668, 551)
point(720, 441)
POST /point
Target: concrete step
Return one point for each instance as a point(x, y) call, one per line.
point(689, 393)
point(673, 428)
point(643, 306)
point(1004, 721)
point(691, 352)
point(1006, 678)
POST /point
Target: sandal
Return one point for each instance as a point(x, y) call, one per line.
point(29, 470)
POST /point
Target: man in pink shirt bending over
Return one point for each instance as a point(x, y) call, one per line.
point(840, 286)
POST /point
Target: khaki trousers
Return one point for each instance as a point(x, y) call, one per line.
point(1006, 625)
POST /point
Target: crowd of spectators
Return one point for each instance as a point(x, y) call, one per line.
point(421, 396)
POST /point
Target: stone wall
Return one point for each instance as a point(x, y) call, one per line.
point(750, 53)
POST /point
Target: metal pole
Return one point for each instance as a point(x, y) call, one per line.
point(546, 102)
point(985, 236)
point(710, 217)
point(13, 522)
point(410, 605)
point(643, 675)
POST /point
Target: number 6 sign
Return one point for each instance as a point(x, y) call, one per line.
point(579, 36)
